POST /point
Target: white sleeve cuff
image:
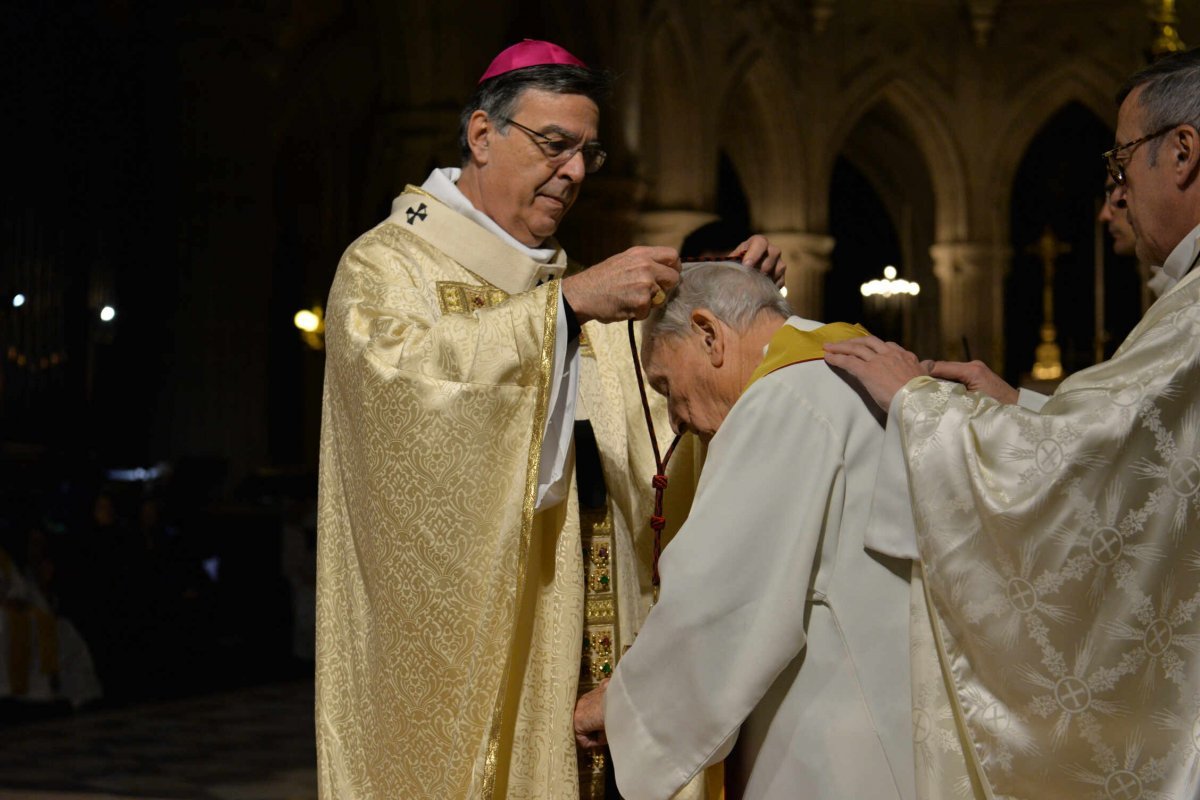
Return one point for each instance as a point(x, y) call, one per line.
point(1031, 400)
point(560, 417)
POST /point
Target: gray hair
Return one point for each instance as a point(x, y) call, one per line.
point(1170, 93)
point(497, 97)
point(735, 294)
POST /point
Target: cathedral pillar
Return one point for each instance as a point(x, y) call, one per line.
point(807, 259)
point(669, 228)
point(970, 282)
point(604, 220)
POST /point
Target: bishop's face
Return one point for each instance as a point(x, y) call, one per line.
point(681, 368)
point(518, 186)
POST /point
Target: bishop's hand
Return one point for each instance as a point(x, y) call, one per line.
point(625, 286)
point(589, 718)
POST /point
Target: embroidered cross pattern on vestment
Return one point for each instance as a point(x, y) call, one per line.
point(420, 213)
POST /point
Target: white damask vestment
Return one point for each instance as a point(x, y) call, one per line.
point(1061, 550)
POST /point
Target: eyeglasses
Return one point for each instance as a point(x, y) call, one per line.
point(1117, 169)
point(560, 151)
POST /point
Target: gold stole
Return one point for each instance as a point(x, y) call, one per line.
point(793, 346)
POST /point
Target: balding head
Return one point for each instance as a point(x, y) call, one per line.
point(701, 346)
point(735, 294)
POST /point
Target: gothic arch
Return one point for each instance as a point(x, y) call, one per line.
point(676, 146)
point(765, 141)
point(924, 111)
point(1032, 108)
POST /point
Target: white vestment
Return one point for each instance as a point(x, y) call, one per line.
point(775, 629)
point(1060, 550)
point(52, 658)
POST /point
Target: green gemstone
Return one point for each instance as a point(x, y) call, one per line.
point(604, 580)
point(607, 668)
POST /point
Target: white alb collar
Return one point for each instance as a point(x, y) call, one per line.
point(1181, 260)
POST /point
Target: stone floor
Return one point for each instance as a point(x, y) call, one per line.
point(252, 744)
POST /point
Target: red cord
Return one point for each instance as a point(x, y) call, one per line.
point(659, 482)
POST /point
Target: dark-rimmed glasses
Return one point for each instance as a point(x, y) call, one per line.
point(1115, 167)
point(560, 151)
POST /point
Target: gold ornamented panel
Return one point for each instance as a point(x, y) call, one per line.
point(591, 774)
point(599, 629)
point(463, 298)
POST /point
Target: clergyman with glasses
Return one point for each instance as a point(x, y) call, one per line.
point(1062, 546)
point(485, 467)
point(1113, 216)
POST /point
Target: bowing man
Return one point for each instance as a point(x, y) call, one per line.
point(779, 628)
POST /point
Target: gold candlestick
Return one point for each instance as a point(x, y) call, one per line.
point(1166, 31)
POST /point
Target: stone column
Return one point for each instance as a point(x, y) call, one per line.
point(807, 259)
point(971, 288)
point(668, 228)
point(605, 219)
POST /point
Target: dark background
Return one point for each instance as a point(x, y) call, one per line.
point(200, 168)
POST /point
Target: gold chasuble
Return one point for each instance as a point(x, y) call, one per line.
point(450, 614)
point(1062, 556)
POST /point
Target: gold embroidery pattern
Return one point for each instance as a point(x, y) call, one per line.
point(599, 656)
point(599, 576)
point(591, 775)
point(527, 511)
point(463, 298)
point(415, 424)
point(600, 609)
point(599, 632)
point(585, 345)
